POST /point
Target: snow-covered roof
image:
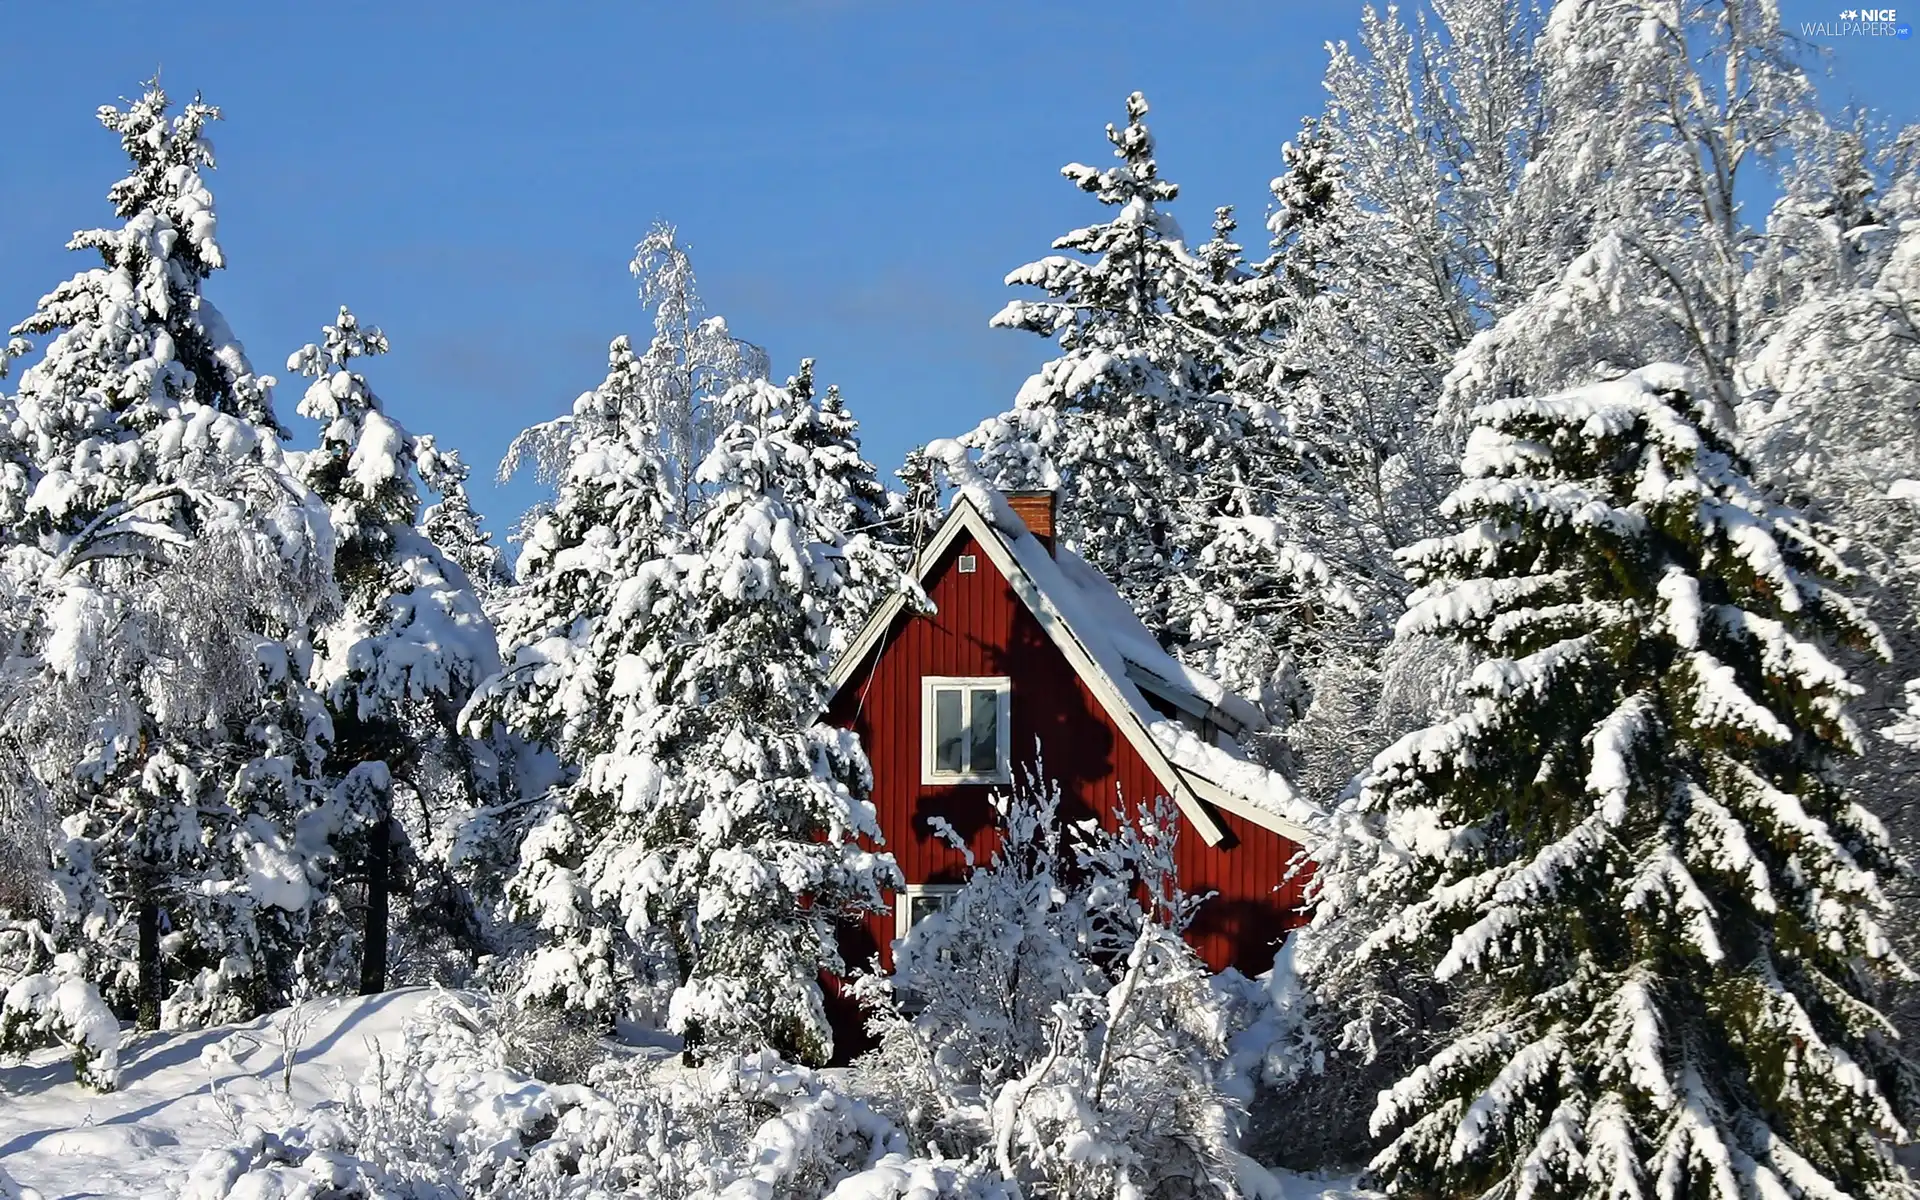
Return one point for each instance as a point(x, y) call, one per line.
point(1098, 605)
point(1121, 663)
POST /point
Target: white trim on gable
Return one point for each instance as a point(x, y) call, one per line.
point(882, 619)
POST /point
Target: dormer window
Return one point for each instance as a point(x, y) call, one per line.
point(964, 730)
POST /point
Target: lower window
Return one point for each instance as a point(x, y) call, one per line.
point(918, 902)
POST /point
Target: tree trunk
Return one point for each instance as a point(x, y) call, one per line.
point(148, 982)
point(373, 933)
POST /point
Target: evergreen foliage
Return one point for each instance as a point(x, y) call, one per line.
point(578, 627)
point(1121, 422)
point(1629, 845)
point(401, 656)
point(738, 813)
point(163, 568)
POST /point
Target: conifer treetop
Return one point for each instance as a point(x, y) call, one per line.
point(139, 323)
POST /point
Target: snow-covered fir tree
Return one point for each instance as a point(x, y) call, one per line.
point(578, 631)
point(400, 658)
point(847, 504)
point(453, 524)
point(728, 821)
point(1123, 420)
point(710, 830)
point(849, 495)
point(915, 510)
point(164, 565)
point(1628, 850)
point(1163, 428)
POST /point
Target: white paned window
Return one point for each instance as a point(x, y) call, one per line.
point(918, 902)
point(964, 728)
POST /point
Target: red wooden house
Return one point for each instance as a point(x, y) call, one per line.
point(1029, 646)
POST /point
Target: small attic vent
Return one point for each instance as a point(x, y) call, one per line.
point(968, 564)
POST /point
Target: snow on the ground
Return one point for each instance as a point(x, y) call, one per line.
point(1313, 1187)
point(185, 1093)
point(66, 1143)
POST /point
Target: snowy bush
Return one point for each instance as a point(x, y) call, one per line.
point(1052, 1022)
point(450, 1117)
point(543, 1040)
point(46, 996)
point(1120, 1075)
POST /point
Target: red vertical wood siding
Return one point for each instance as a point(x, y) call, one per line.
point(981, 627)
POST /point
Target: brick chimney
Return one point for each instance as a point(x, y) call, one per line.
point(1036, 509)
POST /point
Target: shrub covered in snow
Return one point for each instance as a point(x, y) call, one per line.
point(1051, 1021)
point(450, 1117)
point(1049, 1035)
point(46, 995)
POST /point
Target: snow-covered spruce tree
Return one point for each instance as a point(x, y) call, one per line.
point(165, 565)
point(1125, 420)
point(45, 994)
point(849, 506)
point(1628, 846)
point(916, 511)
point(454, 525)
point(725, 817)
point(1250, 599)
point(848, 493)
point(1307, 223)
point(582, 642)
point(400, 658)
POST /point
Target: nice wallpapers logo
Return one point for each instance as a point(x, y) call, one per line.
point(1861, 22)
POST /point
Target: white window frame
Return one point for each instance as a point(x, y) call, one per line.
point(903, 903)
point(1001, 684)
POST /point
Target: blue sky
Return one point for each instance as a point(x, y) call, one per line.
point(854, 178)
